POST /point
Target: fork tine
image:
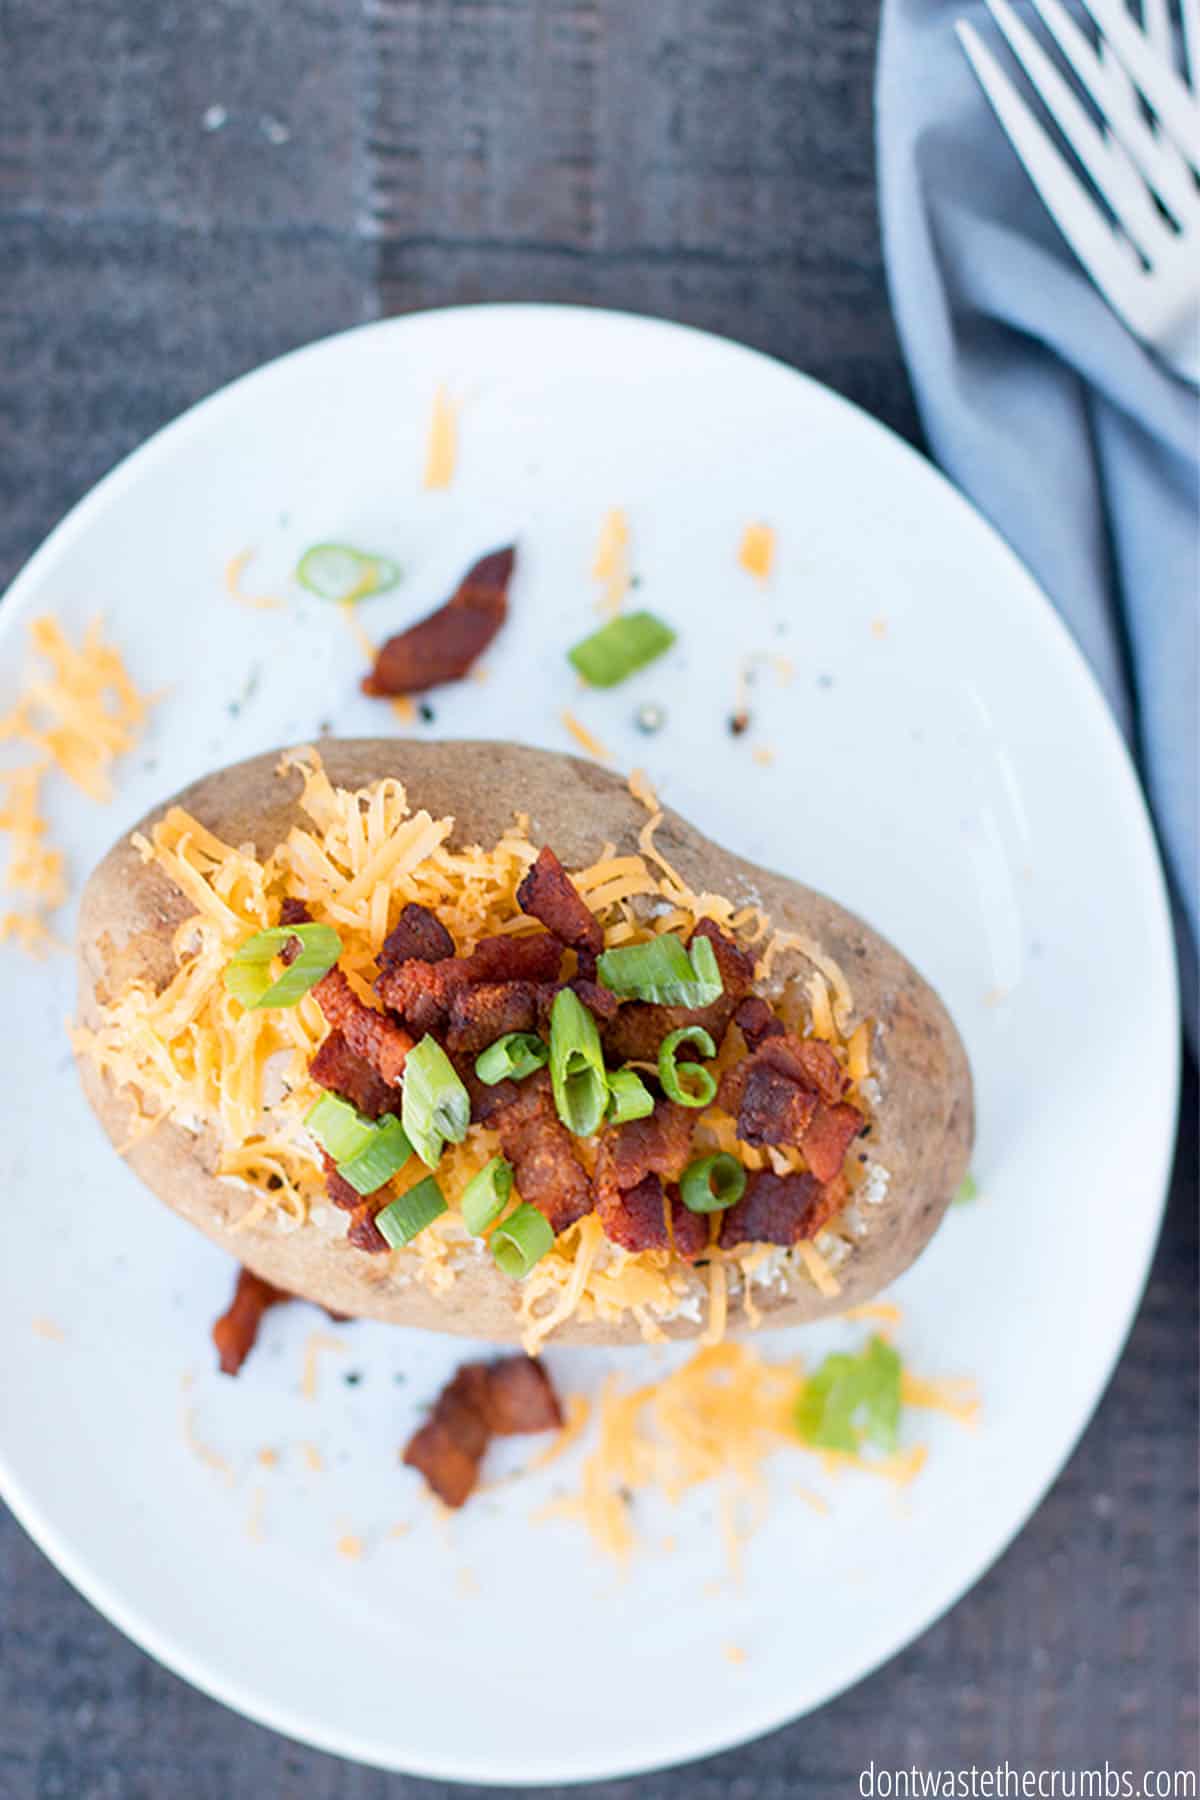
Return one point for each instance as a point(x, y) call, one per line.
point(1117, 182)
point(1178, 112)
point(1156, 23)
point(1066, 199)
point(1173, 184)
point(1190, 13)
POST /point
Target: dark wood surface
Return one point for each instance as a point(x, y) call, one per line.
point(708, 160)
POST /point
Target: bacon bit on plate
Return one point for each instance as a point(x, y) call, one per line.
point(611, 564)
point(586, 740)
point(756, 552)
point(507, 1397)
point(234, 570)
point(236, 1330)
point(441, 453)
point(445, 645)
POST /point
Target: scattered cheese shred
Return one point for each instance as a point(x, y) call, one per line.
point(810, 1497)
point(734, 1653)
point(643, 793)
point(318, 1343)
point(881, 1312)
point(756, 552)
point(254, 1524)
point(610, 565)
point(959, 1400)
point(586, 739)
point(202, 1451)
point(351, 1547)
point(235, 568)
point(823, 1277)
point(441, 455)
point(46, 1328)
point(313, 1458)
point(763, 755)
point(579, 1411)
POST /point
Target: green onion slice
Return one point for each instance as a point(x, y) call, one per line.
point(577, 1069)
point(664, 972)
point(712, 1183)
point(436, 1106)
point(625, 644)
point(486, 1195)
point(511, 1058)
point(248, 972)
point(521, 1241)
point(402, 1218)
point(385, 1155)
point(338, 1127)
point(849, 1398)
point(339, 572)
point(628, 1098)
point(687, 1083)
point(968, 1191)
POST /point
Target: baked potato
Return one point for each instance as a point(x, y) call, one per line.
point(168, 904)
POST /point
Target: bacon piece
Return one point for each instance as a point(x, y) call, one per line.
point(505, 1398)
point(549, 895)
point(640, 1027)
point(294, 912)
point(443, 646)
point(775, 1209)
point(489, 1010)
point(774, 1109)
point(338, 1188)
point(829, 1136)
point(418, 934)
point(237, 1328)
point(659, 1144)
point(538, 1145)
point(651, 1217)
point(601, 1002)
point(370, 1034)
point(345, 1073)
point(422, 992)
point(756, 1021)
point(520, 1397)
point(362, 1230)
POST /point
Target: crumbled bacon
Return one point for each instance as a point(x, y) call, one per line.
point(829, 1136)
point(774, 1109)
point(651, 1217)
point(443, 646)
point(372, 1035)
point(422, 992)
point(362, 1230)
point(487, 1011)
point(659, 1144)
point(294, 912)
point(640, 1027)
point(775, 1209)
point(601, 1002)
point(534, 958)
point(757, 1022)
point(418, 934)
point(345, 1073)
point(505, 1398)
point(549, 895)
point(337, 1187)
point(235, 1331)
point(538, 1145)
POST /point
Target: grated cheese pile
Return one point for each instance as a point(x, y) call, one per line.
point(192, 1055)
point(79, 716)
point(718, 1418)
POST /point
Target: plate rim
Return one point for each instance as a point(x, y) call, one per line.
point(17, 601)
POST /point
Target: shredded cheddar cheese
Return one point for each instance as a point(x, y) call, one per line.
point(235, 568)
point(441, 455)
point(610, 566)
point(586, 739)
point(190, 1054)
point(319, 1342)
point(756, 552)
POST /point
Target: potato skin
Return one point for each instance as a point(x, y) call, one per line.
point(924, 1128)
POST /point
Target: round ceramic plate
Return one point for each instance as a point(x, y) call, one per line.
point(924, 744)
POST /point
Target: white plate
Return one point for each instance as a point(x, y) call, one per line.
point(943, 764)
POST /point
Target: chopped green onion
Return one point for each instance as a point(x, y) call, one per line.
point(663, 971)
point(701, 1085)
point(406, 1215)
point(968, 1191)
point(625, 644)
point(248, 972)
point(521, 1241)
point(338, 1127)
point(849, 1398)
point(628, 1098)
point(486, 1195)
point(511, 1058)
point(339, 572)
point(577, 1065)
point(385, 1155)
point(712, 1183)
point(436, 1105)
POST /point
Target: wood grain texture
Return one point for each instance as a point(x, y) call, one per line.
point(710, 160)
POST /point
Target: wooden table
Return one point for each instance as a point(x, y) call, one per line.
point(188, 189)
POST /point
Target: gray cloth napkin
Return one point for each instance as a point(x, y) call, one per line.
point(1075, 442)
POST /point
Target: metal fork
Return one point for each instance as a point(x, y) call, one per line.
point(1145, 258)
